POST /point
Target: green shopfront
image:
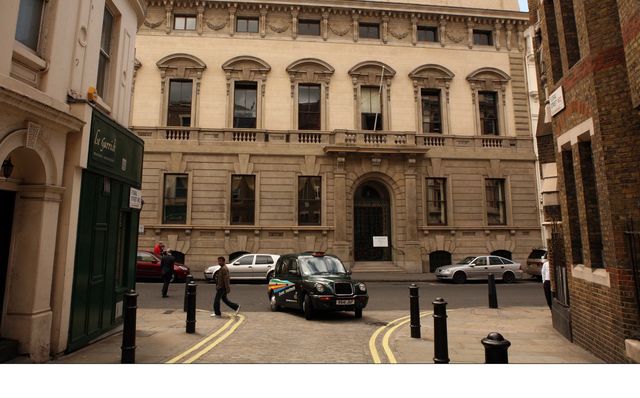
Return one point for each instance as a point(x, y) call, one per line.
point(109, 210)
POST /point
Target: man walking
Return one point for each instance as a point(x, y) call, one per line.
point(546, 281)
point(223, 287)
point(166, 267)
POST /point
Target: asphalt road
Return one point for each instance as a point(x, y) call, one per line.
point(383, 296)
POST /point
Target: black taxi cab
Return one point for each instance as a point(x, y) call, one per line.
point(315, 282)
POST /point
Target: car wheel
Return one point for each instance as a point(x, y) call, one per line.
point(270, 276)
point(307, 308)
point(459, 277)
point(508, 277)
point(273, 304)
point(358, 313)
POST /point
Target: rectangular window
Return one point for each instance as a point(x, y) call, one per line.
point(247, 24)
point(245, 108)
point(308, 27)
point(184, 22)
point(369, 30)
point(243, 197)
point(436, 201)
point(496, 201)
point(179, 110)
point(482, 37)
point(105, 54)
point(29, 23)
point(428, 33)
point(371, 108)
point(431, 116)
point(571, 192)
point(176, 187)
point(309, 200)
point(309, 107)
point(488, 107)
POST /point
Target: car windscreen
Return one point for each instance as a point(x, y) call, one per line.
point(466, 260)
point(537, 253)
point(321, 265)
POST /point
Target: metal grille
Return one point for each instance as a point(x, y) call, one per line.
point(633, 241)
point(342, 288)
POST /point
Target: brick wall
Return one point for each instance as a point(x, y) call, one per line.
point(546, 154)
point(630, 25)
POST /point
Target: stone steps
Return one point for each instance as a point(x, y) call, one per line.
point(375, 266)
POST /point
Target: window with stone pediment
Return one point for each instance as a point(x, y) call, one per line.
point(180, 87)
point(372, 94)
point(246, 84)
point(488, 90)
point(431, 90)
point(310, 80)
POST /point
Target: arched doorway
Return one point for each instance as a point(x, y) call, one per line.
point(438, 259)
point(502, 253)
point(372, 217)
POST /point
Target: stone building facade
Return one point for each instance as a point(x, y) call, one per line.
point(276, 126)
point(61, 63)
point(588, 53)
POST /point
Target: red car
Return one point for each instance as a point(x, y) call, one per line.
point(148, 267)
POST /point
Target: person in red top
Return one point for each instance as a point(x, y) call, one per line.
point(158, 249)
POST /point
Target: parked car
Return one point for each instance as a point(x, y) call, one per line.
point(479, 267)
point(248, 266)
point(148, 267)
point(315, 282)
point(534, 262)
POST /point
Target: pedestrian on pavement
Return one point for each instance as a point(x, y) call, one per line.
point(166, 267)
point(223, 287)
point(546, 281)
point(158, 249)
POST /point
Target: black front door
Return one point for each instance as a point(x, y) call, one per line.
point(7, 204)
point(371, 218)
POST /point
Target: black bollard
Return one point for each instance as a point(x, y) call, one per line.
point(187, 280)
point(414, 308)
point(493, 296)
point(495, 348)
point(440, 344)
point(129, 328)
point(191, 307)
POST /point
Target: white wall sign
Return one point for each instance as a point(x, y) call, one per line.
point(141, 229)
point(135, 198)
point(380, 241)
point(556, 101)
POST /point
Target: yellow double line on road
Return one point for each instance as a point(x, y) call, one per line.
point(229, 327)
point(390, 328)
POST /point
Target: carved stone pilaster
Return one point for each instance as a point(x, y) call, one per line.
point(295, 11)
point(356, 26)
point(470, 26)
point(509, 35)
point(168, 8)
point(385, 28)
point(443, 32)
point(520, 38)
point(414, 29)
point(263, 22)
point(232, 20)
point(496, 34)
point(325, 25)
point(200, 22)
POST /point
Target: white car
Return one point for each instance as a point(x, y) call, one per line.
point(479, 267)
point(248, 266)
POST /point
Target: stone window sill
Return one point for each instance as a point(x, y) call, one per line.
point(26, 56)
point(633, 349)
point(598, 276)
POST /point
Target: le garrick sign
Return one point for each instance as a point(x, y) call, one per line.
point(104, 145)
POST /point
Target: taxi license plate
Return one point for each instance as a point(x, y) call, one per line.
point(345, 302)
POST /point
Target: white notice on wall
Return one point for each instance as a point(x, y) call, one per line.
point(135, 198)
point(380, 241)
point(556, 101)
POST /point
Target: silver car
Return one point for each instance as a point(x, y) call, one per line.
point(248, 266)
point(479, 267)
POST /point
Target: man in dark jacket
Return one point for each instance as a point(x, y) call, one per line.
point(166, 267)
point(223, 287)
